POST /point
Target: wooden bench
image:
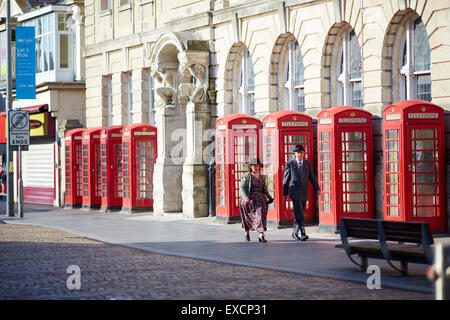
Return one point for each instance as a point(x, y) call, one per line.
point(389, 240)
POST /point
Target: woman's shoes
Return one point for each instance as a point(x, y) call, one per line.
point(260, 238)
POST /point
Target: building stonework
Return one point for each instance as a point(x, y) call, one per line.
point(149, 39)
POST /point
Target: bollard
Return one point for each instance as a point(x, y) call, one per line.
point(440, 272)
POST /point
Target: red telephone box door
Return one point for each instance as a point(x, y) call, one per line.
point(325, 153)
point(221, 179)
point(145, 159)
point(352, 166)
point(245, 148)
point(422, 167)
point(290, 139)
point(393, 189)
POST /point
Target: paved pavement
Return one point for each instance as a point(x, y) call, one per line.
point(34, 260)
point(204, 238)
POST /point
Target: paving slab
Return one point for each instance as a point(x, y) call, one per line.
point(204, 238)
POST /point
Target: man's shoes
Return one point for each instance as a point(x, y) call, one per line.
point(304, 237)
point(295, 236)
point(247, 237)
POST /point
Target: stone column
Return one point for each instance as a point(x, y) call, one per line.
point(168, 169)
point(198, 116)
point(195, 170)
point(169, 119)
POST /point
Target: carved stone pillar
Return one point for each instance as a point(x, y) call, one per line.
point(195, 171)
point(198, 115)
point(168, 166)
point(170, 120)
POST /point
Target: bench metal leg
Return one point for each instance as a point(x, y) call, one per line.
point(404, 267)
point(364, 262)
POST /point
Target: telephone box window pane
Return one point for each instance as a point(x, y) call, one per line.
point(353, 136)
point(426, 201)
point(324, 146)
point(392, 134)
point(355, 166)
point(325, 166)
point(423, 167)
point(392, 167)
point(355, 197)
point(424, 134)
point(393, 200)
point(424, 145)
point(393, 211)
point(392, 178)
point(353, 207)
point(326, 207)
point(392, 156)
point(426, 178)
point(355, 187)
point(353, 156)
point(354, 177)
point(393, 189)
point(425, 189)
point(325, 156)
point(354, 146)
point(391, 145)
point(424, 212)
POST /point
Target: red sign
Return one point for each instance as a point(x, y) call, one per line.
point(34, 124)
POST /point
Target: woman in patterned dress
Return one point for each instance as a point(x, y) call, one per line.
point(254, 201)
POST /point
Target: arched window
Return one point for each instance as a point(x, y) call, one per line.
point(349, 72)
point(294, 92)
point(246, 85)
point(415, 76)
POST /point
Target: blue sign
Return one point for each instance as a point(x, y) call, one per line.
point(25, 63)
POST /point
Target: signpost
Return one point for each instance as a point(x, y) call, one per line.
point(19, 135)
point(18, 131)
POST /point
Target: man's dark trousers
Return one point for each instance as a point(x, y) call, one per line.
point(299, 208)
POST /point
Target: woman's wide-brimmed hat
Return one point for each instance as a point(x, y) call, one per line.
point(254, 161)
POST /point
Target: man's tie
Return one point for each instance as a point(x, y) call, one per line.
point(300, 170)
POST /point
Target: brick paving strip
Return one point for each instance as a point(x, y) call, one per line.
point(34, 260)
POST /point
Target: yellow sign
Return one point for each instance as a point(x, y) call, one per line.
point(39, 124)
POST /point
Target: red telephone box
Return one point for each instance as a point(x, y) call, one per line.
point(413, 163)
point(73, 159)
point(345, 149)
point(92, 183)
point(237, 141)
point(111, 155)
point(139, 151)
point(283, 130)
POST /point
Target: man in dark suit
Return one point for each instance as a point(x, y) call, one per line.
point(297, 173)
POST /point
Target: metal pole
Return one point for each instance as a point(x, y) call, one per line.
point(20, 184)
point(211, 183)
point(9, 160)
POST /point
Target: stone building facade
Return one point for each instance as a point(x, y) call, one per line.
point(182, 64)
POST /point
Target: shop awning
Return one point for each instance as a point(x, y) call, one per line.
point(33, 109)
